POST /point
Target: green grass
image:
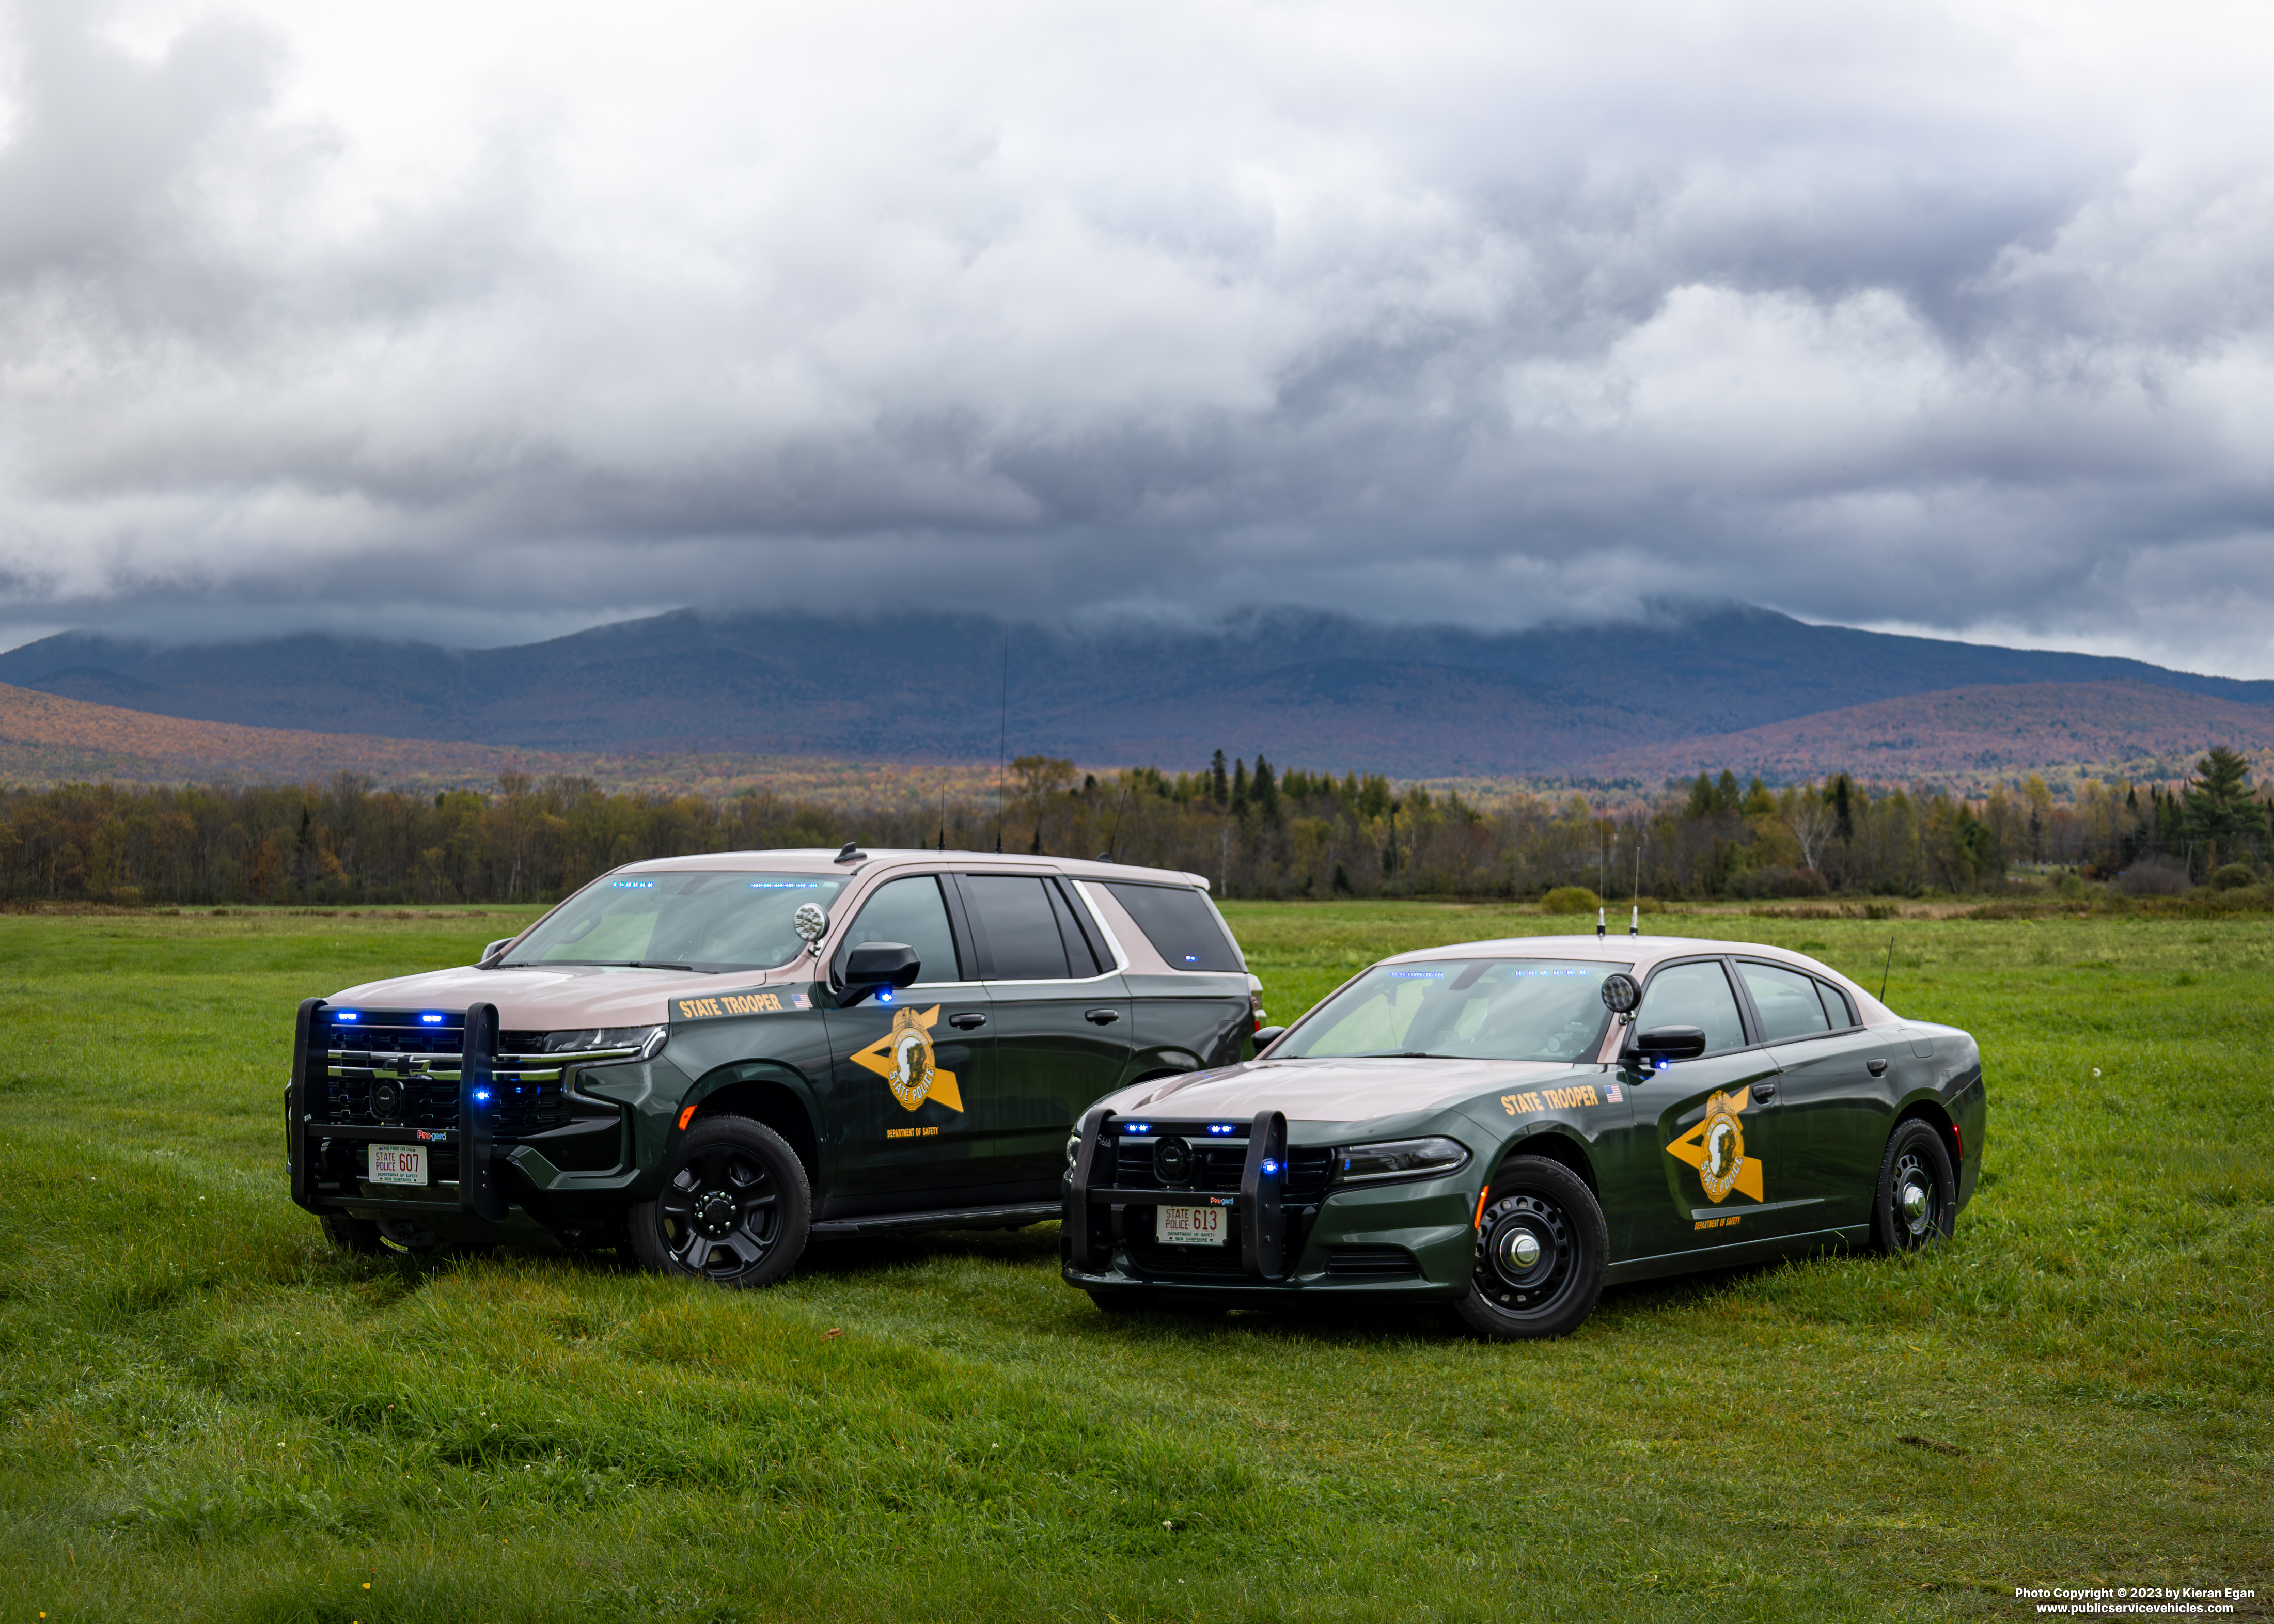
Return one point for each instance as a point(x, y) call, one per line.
point(209, 1415)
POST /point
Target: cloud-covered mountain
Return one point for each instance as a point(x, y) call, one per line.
point(1309, 690)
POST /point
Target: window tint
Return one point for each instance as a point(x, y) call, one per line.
point(1835, 1007)
point(1180, 925)
point(1079, 953)
point(1787, 1001)
point(1694, 994)
point(908, 911)
point(1013, 915)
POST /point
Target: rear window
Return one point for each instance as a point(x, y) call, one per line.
point(1180, 924)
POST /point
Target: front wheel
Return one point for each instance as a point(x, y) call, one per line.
point(1917, 1201)
point(735, 1209)
point(1541, 1249)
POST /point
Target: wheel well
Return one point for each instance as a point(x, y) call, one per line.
point(1555, 1147)
point(774, 1105)
point(1931, 1114)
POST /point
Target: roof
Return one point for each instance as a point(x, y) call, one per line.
point(823, 860)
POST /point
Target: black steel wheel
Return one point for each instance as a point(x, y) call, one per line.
point(1541, 1249)
point(1918, 1200)
point(735, 1208)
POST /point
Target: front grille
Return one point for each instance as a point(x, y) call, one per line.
point(1218, 1164)
point(1371, 1263)
point(402, 1069)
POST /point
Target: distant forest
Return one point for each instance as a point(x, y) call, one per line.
point(1254, 832)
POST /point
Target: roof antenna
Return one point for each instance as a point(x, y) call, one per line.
point(1003, 743)
point(1600, 926)
point(1113, 839)
point(1634, 921)
point(850, 852)
point(1885, 968)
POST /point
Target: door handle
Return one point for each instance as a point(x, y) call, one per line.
point(1101, 1018)
point(1877, 1068)
point(964, 1021)
point(1765, 1091)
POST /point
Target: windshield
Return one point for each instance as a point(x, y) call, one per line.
point(707, 921)
point(1462, 1009)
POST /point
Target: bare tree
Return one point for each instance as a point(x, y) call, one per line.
point(1811, 823)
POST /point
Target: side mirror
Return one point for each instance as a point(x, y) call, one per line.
point(874, 966)
point(1265, 1037)
point(1669, 1043)
point(494, 949)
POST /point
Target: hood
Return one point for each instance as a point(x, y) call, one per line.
point(1336, 1090)
point(559, 998)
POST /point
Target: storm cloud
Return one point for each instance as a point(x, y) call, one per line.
point(483, 323)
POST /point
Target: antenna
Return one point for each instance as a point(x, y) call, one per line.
point(1003, 743)
point(1600, 927)
point(1113, 839)
point(1634, 921)
point(1885, 968)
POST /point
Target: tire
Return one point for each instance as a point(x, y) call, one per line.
point(735, 1209)
point(358, 1236)
point(1916, 1202)
point(1541, 1211)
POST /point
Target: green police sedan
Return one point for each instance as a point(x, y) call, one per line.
point(1506, 1127)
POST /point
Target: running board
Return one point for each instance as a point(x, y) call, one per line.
point(961, 1218)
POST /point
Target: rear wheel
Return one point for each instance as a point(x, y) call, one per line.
point(735, 1209)
point(1541, 1249)
point(1917, 1201)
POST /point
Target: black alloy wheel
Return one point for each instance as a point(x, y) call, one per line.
point(1541, 1249)
point(735, 1208)
point(1917, 1202)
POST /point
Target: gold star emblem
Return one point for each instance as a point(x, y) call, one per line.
point(903, 1058)
point(1716, 1148)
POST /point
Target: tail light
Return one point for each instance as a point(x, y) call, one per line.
point(1255, 1014)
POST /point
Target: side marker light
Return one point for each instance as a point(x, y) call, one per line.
point(685, 1117)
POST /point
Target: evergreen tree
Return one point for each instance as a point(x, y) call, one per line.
point(2218, 810)
point(1217, 788)
point(1266, 790)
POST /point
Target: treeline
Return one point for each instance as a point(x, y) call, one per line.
point(1253, 830)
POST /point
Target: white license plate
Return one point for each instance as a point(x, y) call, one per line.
point(396, 1164)
point(1189, 1226)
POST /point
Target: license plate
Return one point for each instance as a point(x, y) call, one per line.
point(1189, 1226)
point(396, 1164)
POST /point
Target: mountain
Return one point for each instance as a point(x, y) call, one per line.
point(2130, 729)
point(1311, 690)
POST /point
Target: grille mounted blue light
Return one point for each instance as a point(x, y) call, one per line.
point(432, 1020)
point(1136, 1127)
point(1222, 1127)
point(346, 1015)
point(1270, 1165)
point(481, 1096)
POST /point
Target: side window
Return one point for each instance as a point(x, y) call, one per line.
point(909, 911)
point(1180, 924)
point(1836, 1007)
point(1015, 922)
point(1082, 953)
point(1694, 994)
point(1787, 1001)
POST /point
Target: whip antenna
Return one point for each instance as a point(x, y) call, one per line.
point(1885, 968)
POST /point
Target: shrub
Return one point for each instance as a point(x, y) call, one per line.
point(1571, 900)
point(1776, 880)
point(2153, 876)
point(2233, 876)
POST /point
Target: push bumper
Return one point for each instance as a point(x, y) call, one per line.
point(1414, 1240)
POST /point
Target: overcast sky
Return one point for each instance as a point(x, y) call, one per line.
point(488, 322)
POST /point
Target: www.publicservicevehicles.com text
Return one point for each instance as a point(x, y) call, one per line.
point(2113, 1601)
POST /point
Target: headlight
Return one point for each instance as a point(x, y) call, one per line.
point(648, 1040)
point(1431, 1158)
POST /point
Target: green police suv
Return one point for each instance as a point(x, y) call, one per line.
point(713, 1059)
point(1503, 1127)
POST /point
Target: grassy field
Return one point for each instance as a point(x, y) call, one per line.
point(210, 1416)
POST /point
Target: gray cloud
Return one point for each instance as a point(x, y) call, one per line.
point(486, 329)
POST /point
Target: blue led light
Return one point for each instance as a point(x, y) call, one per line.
point(347, 1015)
point(785, 884)
point(633, 884)
point(885, 997)
point(481, 1096)
point(1222, 1127)
point(1416, 975)
point(1270, 1165)
point(1136, 1127)
point(1192, 959)
point(432, 1020)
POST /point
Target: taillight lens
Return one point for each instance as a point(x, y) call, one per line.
point(1255, 1013)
